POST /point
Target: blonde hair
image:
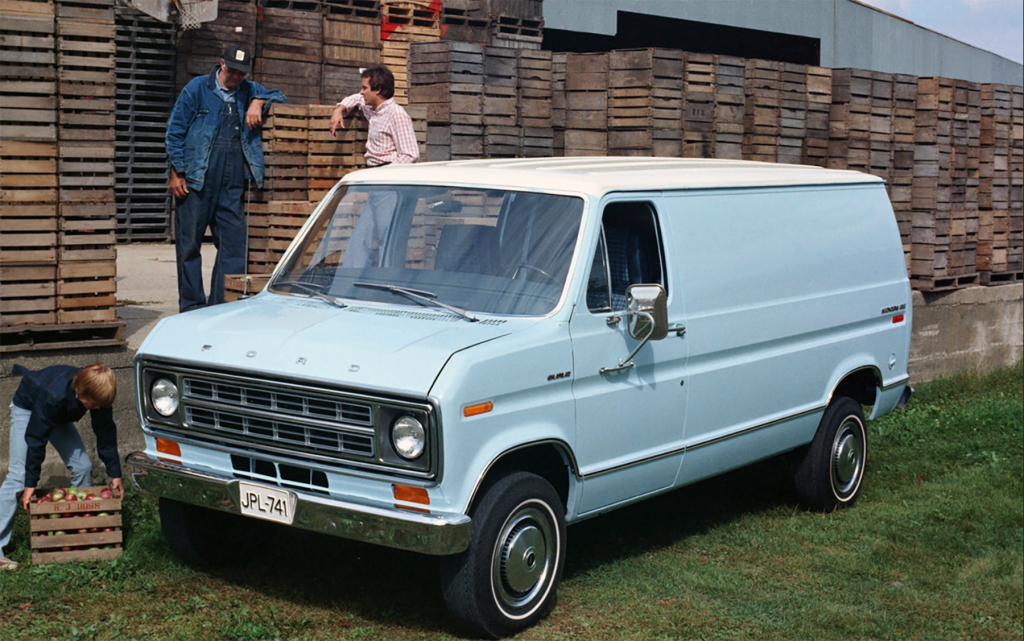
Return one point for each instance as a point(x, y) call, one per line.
point(96, 382)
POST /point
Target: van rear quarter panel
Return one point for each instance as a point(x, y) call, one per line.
point(784, 291)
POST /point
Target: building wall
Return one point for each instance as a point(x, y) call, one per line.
point(851, 34)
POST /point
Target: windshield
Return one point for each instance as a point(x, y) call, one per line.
point(482, 250)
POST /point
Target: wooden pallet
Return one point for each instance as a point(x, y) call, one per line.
point(36, 337)
point(368, 10)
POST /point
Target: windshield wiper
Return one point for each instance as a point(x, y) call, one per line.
point(420, 296)
point(315, 293)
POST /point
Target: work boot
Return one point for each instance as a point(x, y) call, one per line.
point(7, 564)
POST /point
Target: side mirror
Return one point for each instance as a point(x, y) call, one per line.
point(647, 311)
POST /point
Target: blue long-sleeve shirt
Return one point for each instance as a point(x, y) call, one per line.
point(48, 394)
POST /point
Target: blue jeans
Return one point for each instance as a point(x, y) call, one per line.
point(217, 205)
point(64, 438)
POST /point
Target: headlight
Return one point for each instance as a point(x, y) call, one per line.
point(408, 436)
point(164, 396)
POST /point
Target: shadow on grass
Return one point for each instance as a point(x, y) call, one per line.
point(394, 588)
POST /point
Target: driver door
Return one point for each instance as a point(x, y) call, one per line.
point(629, 423)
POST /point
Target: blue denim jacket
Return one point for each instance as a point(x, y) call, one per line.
point(193, 127)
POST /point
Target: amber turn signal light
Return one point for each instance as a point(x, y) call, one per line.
point(168, 447)
point(410, 494)
point(479, 408)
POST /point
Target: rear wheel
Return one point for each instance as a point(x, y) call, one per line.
point(506, 581)
point(832, 469)
point(209, 538)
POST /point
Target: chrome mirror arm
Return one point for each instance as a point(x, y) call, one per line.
point(627, 362)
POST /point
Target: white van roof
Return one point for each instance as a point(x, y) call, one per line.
point(601, 174)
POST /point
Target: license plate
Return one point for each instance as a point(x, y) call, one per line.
point(266, 503)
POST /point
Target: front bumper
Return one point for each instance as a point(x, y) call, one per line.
point(382, 524)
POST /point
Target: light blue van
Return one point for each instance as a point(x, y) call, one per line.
point(460, 358)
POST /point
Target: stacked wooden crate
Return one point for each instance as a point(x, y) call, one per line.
point(28, 165)
point(849, 145)
point(729, 107)
point(285, 135)
point(200, 50)
point(1015, 254)
point(645, 102)
point(586, 103)
point(145, 96)
point(500, 132)
point(447, 80)
point(351, 41)
point(939, 231)
point(289, 49)
point(28, 232)
point(404, 22)
point(534, 96)
point(699, 108)
point(272, 228)
point(964, 166)
point(762, 123)
point(994, 191)
point(331, 156)
point(465, 21)
point(87, 261)
point(793, 116)
point(880, 129)
point(558, 104)
point(518, 24)
point(818, 100)
point(901, 173)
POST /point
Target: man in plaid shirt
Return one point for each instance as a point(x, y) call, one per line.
point(391, 139)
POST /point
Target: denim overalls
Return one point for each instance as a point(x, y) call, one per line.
point(219, 205)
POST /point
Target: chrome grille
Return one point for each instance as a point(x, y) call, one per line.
point(285, 434)
point(282, 418)
point(279, 402)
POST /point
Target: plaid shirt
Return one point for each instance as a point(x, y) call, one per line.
point(391, 138)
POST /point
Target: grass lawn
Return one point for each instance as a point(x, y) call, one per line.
point(934, 549)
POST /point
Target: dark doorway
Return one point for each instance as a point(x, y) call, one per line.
point(636, 30)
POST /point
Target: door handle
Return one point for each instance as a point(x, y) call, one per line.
point(680, 330)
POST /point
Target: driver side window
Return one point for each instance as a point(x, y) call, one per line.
point(628, 253)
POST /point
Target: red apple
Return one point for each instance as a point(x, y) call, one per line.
point(45, 499)
point(71, 496)
point(90, 497)
point(105, 493)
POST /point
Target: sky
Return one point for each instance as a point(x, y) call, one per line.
point(993, 25)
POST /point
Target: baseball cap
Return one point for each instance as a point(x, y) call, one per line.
point(238, 58)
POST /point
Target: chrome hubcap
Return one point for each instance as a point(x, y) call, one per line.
point(847, 457)
point(523, 557)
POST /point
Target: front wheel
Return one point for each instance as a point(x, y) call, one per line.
point(832, 469)
point(507, 579)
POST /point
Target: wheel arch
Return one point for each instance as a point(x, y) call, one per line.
point(860, 384)
point(551, 460)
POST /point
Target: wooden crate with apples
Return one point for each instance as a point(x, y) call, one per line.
point(87, 528)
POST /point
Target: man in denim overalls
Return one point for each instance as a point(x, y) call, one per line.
point(213, 148)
